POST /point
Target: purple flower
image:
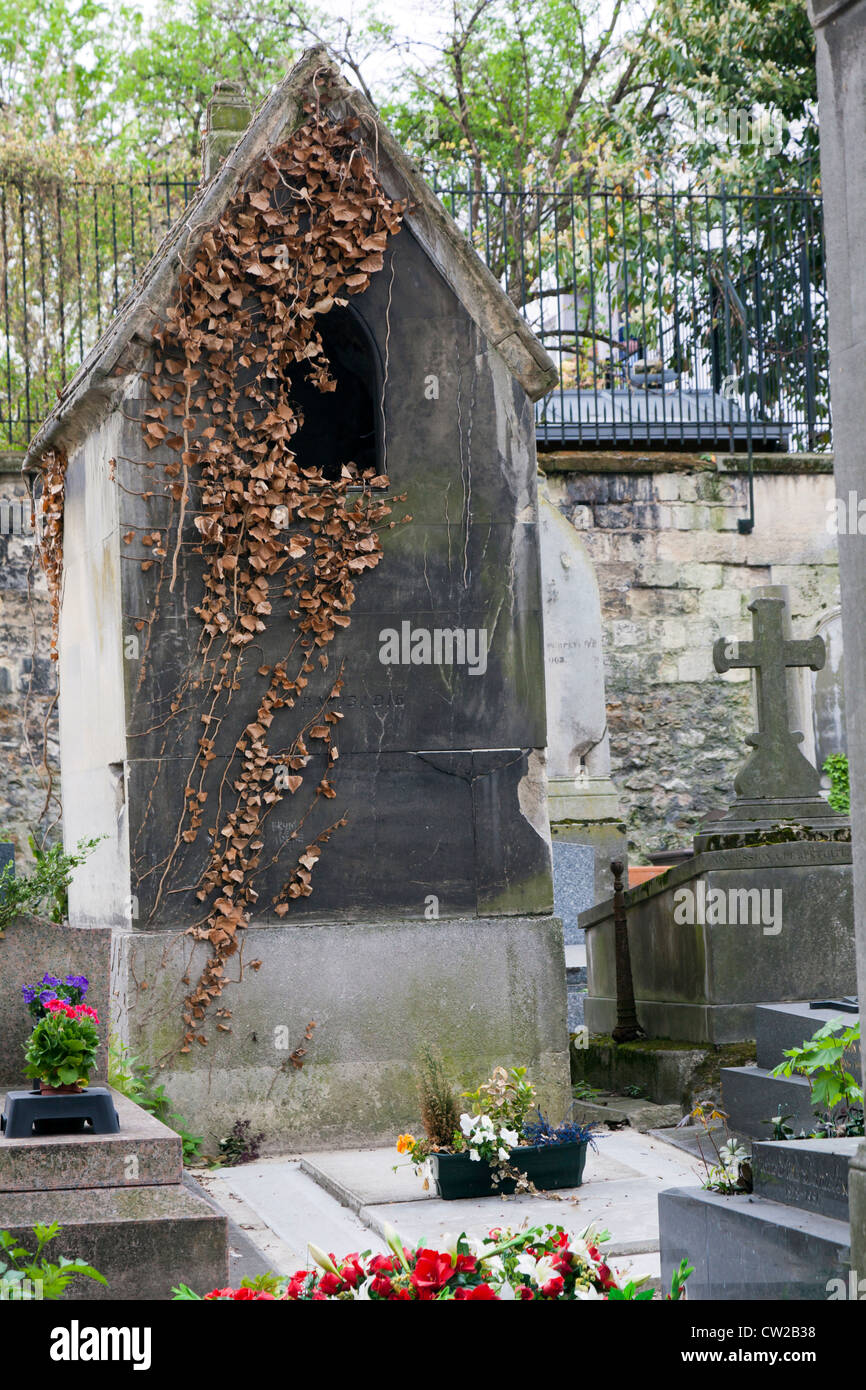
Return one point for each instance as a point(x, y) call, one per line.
point(29, 993)
point(79, 982)
point(51, 980)
point(46, 995)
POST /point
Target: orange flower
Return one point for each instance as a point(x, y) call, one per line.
point(405, 1144)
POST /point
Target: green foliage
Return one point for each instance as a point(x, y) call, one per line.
point(822, 1058)
point(440, 1107)
point(28, 1277)
point(135, 1079)
point(507, 1097)
point(46, 887)
point(836, 768)
point(61, 1051)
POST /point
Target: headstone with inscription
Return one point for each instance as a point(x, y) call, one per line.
point(763, 910)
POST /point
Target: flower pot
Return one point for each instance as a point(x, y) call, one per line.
point(74, 1090)
point(547, 1166)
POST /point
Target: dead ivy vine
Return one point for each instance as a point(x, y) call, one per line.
point(308, 231)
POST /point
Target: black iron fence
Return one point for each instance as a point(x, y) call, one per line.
point(677, 317)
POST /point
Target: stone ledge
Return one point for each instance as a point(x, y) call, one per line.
point(66, 1161)
point(747, 1247)
point(661, 461)
point(811, 1174)
point(144, 1240)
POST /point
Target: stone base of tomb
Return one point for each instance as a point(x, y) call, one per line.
point(483, 991)
point(122, 1205)
point(666, 1072)
point(715, 936)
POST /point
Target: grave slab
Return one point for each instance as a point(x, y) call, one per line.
point(747, 1247)
point(811, 1174)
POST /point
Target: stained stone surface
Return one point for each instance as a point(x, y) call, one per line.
point(573, 886)
point(436, 770)
point(30, 947)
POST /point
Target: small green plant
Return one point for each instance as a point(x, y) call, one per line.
point(61, 1050)
point(582, 1090)
point(731, 1171)
point(133, 1078)
point(437, 1097)
point(779, 1124)
point(240, 1145)
point(506, 1098)
point(26, 1277)
point(636, 1092)
point(823, 1059)
point(836, 768)
point(46, 888)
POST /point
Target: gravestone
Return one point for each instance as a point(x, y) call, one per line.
point(763, 911)
point(290, 925)
point(119, 1199)
point(840, 38)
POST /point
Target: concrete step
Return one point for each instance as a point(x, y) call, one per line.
point(145, 1153)
point(747, 1247)
point(144, 1240)
point(781, 1026)
point(617, 1111)
point(751, 1097)
point(811, 1174)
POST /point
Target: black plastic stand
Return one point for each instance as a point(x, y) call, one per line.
point(26, 1113)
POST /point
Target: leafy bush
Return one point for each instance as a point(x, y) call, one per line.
point(46, 887)
point(822, 1058)
point(25, 1277)
point(836, 768)
point(134, 1079)
point(240, 1145)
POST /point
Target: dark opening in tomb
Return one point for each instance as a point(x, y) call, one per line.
point(340, 427)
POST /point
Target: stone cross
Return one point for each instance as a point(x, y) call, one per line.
point(777, 770)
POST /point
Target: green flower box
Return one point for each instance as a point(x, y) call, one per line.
point(548, 1166)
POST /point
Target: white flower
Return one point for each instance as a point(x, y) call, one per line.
point(503, 1155)
point(506, 1292)
point(474, 1156)
point(362, 1290)
point(526, 1264)
point(509, 1137)
point(494, 1266)
point(544, 1270)
point(586, 1293)
point(579, 1247)
point(466, 1124)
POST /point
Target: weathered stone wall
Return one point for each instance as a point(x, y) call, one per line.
point(27, 675)
point(674, 575)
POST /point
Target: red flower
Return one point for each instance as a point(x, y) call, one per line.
point(330, 1284)
point(216, 1294)
point(381, 1286)
point(553, 1287)
point(382, 1264)
point(432, 1271)
point(524, 1293)
point(480, 1292)
point(605, 1277)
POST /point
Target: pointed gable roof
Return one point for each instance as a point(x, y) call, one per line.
point(97, 384)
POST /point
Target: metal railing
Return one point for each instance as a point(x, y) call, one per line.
point(677, 317)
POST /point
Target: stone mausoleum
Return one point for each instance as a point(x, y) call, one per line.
point(300, 642)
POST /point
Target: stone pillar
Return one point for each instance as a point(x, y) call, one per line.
point(586, 826)
point(228, 114)
point(840, 31)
